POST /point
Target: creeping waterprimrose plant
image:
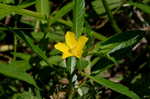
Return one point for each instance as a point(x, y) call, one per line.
point(74, 49)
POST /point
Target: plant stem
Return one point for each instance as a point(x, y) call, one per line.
point(15, 42)
point(94, 61)
point(15, 46)
point(99, 36)
point(71, 89)
point(110, 16)
point(70, 63)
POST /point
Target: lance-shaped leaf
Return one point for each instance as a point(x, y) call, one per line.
point(11, 70)
point(114, 86)
point(118, 42)
point(78, 16)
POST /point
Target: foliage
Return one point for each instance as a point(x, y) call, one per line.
point(115, 59)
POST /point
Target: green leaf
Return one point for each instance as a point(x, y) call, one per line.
point(45, 9)
point(28, 13)
point(6, 10)
point(114, 86)
point(146, 1)
point(38, 35)
point(98, 36)
point(35, 48)
point(11, 70)
point(7, 1)
point(60, 13)
point(90, 32)
point(25, 95)
point(21, 65)
point(99, 8)
point(118, 42)
point(55, 60)
point(145, 8)
point(26, 4)
point(82, 64)
point(55, 37)
point(28, 20)
point(23, 56)
point(78, 16)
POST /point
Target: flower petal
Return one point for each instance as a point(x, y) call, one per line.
point(80, 45)
point(67, 54)
point(81, 41)
point(62, 47)
point(70, 39)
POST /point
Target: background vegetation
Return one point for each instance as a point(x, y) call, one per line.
point(116, 59)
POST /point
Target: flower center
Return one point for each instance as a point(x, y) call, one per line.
point(70, 50)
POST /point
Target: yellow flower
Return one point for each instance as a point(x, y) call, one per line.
point(73, 46)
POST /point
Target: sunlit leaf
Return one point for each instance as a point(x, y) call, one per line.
point(6, 10)
point(114, 86)
point(45, 7)
point(118, 42)
point(78, 16)
point(12, 71)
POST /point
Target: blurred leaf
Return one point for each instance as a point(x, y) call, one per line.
point(55, 60)
point(82, 64)
point(98, 5)
point(7, 1)
point(28, 20)
point(21, 65)
point(118, 42)
point(114, 86)
point(146, 1)
point(38, 35)
point(60, 13)
point(6, 10)
point(45, 9)
point(2, 35)
point(54, 52)
point(78, 17)
point(35, 48)
point(92, 33)
point(23, 56)
point(26, 4)
point(145, 8)
point(25, 95)
point(28, 13)
point(55, 37)
point(98, 36)
point(11, 70)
